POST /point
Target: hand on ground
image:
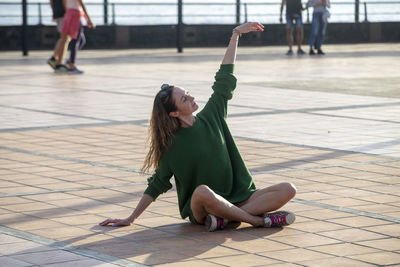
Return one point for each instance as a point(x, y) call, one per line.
point(116, 222)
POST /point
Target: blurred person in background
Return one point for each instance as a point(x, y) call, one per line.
point(319, 24)
point(71, 29)
point(58, 10)
point(293, 19)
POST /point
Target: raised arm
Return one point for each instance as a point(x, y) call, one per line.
point(230, 54)
point(144, 202)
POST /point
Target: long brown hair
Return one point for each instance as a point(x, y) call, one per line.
point(162, 126)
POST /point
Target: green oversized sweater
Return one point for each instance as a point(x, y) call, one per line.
point(205, 153)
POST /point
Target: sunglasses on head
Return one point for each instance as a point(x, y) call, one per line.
point(163, 93)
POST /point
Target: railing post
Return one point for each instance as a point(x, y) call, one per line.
point(357, 11)
point(179, 28)
point(113, 13)
point(40, 13)
point(365, 12)
point(23, 29)
point(245, 12)
point(105, 12)
point(237, 11)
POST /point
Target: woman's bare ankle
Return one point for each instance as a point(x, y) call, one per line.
point(258, 222)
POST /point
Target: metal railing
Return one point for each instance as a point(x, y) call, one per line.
point(196, 13)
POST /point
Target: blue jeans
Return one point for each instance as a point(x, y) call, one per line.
point(318, 30)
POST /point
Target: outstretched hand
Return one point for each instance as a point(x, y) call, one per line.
point(250, 27)
point(116, 222)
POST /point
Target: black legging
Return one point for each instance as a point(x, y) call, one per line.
point(76, 44)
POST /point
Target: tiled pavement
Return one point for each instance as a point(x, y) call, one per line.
point(71, 147)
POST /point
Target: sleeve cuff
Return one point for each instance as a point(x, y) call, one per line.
point(227, 68)
point(151, 191)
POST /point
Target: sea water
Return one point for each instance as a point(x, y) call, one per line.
point(153, 12)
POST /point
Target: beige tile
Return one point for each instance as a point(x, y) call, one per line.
point(344, 202)
point(256, 245)
point(342, 262)
point(170, 256)
point(48, 257)
point(79, 219)
point(305, 240)
point(284, 265)
point(13, 200)
point(312, 196)
point(317, 226)
point(86, 262)
point(32, 206)
point(22, 247)
point(192, 263)
point(244, 260)
point(296, 255)
point(378, 208)
point(391, 229)
point(352, 235)
point(359, 221)
point(61, 232)
point(389, 244)
point(324, 214)
point(344, 249)
point(205, 251)
point(27, 225)
point(9, 261)
point(379, 258)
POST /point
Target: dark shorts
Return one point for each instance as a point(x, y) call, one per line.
point(294, 20)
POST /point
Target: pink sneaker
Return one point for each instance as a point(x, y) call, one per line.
point(278, 219)
point(213, 223)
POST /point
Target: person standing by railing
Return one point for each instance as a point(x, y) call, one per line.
point(70, 29)
point(293, 18)
point(319, 24)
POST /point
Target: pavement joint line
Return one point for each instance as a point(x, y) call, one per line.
point(66, 247)
point(350, 117)
point(314, 147)
point(307, 110)
point(93, 163)
point(73, 126)
point(67, 190)
point(348, 210)
point(323, 167)
point(57, 113)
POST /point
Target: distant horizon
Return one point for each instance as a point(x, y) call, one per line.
point(342, 11)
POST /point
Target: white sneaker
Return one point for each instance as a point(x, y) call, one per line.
point(279, 218)
point(213, 223)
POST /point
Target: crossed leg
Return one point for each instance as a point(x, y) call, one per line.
point(205, 201)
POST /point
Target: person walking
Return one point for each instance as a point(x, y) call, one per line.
point(212, 181)
point(293, 19)
point(73, 46)
point(319, 24)
point(58, 10)
point(70, 29)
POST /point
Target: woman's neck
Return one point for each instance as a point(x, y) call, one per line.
point(188, 121)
